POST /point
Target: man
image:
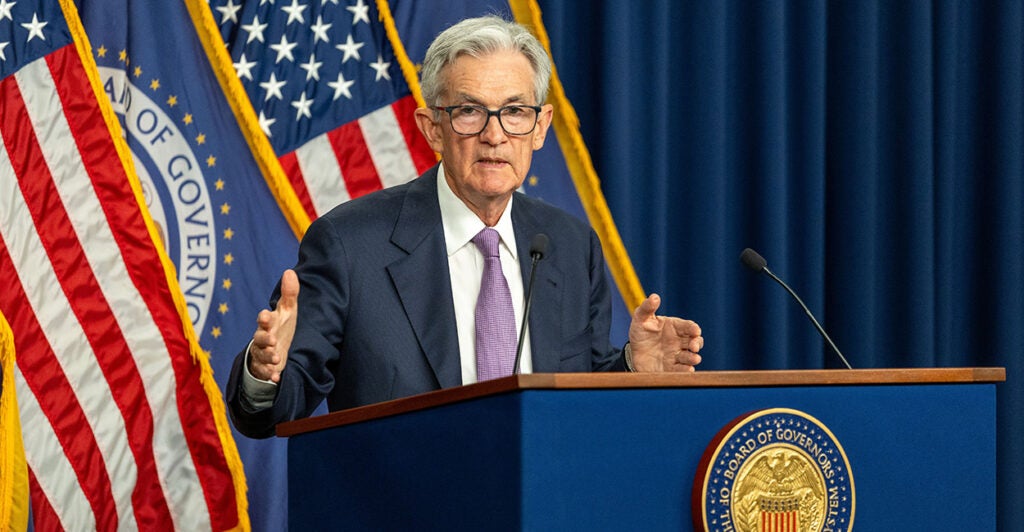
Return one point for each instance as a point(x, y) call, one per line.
point(390, 283)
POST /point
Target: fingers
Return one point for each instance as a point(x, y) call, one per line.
point(289, 290)
point(647, 308)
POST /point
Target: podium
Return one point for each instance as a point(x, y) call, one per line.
point(621, 451)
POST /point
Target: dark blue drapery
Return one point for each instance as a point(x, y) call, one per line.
point(870, 150)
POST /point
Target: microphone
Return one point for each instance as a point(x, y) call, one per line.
point(751, 259)
point(538, 247)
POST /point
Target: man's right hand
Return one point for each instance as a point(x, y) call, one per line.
point(274, 332)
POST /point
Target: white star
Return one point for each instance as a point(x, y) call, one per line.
point(341, 87)
point(382, 68)
point(360, 11)
point(265, 123)
point(255, 29)
point(324, 2)
point(5, 9)
point(284, 49)
point(302, 106)
point(229, 12)
point(243, 68)
point(3, 56)
point(294, 12)
point(35, 28)
point(266, 1)
point(351, 49)
point(312, 68)
point(320, 30)
point(273, 87)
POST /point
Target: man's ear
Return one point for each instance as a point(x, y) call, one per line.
point(430, 128)
point(543, 123)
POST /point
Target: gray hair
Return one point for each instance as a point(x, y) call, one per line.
point(478, 37)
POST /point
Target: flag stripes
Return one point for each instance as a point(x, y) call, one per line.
point(381, 149)
point(93, 329)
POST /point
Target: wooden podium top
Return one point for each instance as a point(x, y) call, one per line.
point(699, 379)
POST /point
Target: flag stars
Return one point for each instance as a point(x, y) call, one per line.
point(35, 28)
point(229, 259)
point(223, 307)
point(100, 52)
point(218, 184)
point(302, 106)
point(350, 49)
point(229, 234)
point(225, 208)
point(255, 30)
point(172, 100)
point(243, 68)
point(122, 56)
point(229, 12)
point(265, 123)
point(273, 87)
point(211, 161)
point(5, 10)
point(284, 50)
point(3, 45)
point(319, 30)
point(360, 11)
point(215, 332)
point(155, 84)
point(341, 86)
point(534, 180)
point(381, 67)
point(294, 12)
point(226, 284)
point(187, 119)
point(312, 68)
point(137, 72)
point(201, 138)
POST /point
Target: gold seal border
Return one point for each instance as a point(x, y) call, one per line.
point(726, 433)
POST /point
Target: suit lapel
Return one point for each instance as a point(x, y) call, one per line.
point(545, 327)
point(422, 280)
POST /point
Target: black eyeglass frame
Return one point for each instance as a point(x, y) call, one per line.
point(495, 113)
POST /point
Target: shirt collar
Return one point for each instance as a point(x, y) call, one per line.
point(461, 224)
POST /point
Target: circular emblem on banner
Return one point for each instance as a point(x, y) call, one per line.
point(774, 470)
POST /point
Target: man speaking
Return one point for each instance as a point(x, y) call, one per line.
point(420, 286)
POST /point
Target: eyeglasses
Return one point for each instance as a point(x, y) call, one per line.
point(472, 119)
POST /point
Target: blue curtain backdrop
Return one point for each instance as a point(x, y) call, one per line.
point(870, 150)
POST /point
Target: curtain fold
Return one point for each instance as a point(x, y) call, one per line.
point(871, 151)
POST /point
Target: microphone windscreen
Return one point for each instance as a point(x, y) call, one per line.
point(751, 259)
point(539, 246)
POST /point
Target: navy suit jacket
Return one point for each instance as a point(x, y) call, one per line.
point(376, 318)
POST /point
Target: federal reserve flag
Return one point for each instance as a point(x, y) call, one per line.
point(122, 423)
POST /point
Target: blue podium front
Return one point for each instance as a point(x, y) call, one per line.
point(621, 452)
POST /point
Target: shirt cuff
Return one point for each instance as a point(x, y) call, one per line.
point(627, 355)
point(257, 394)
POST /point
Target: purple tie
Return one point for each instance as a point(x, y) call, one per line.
point(495, 319)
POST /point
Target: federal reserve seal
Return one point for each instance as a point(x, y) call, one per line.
point(774, 470)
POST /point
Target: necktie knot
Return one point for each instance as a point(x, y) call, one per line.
point(487, 242)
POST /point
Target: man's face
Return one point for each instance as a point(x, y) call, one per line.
point(489, 166)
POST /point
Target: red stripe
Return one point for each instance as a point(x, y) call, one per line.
point(147, 274)
point(44, 519)
point(290, 164)
point(45, 378)
point(353, 156)
point(423, 157)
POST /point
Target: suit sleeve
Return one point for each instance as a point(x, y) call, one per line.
point(605, 356)
point(320, 327)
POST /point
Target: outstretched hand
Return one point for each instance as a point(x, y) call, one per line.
point(274, 332)
point(660, 343)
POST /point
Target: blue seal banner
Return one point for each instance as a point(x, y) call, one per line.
point(774, 470)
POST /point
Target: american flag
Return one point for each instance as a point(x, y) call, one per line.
point(123, 426)
point(329, 92)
